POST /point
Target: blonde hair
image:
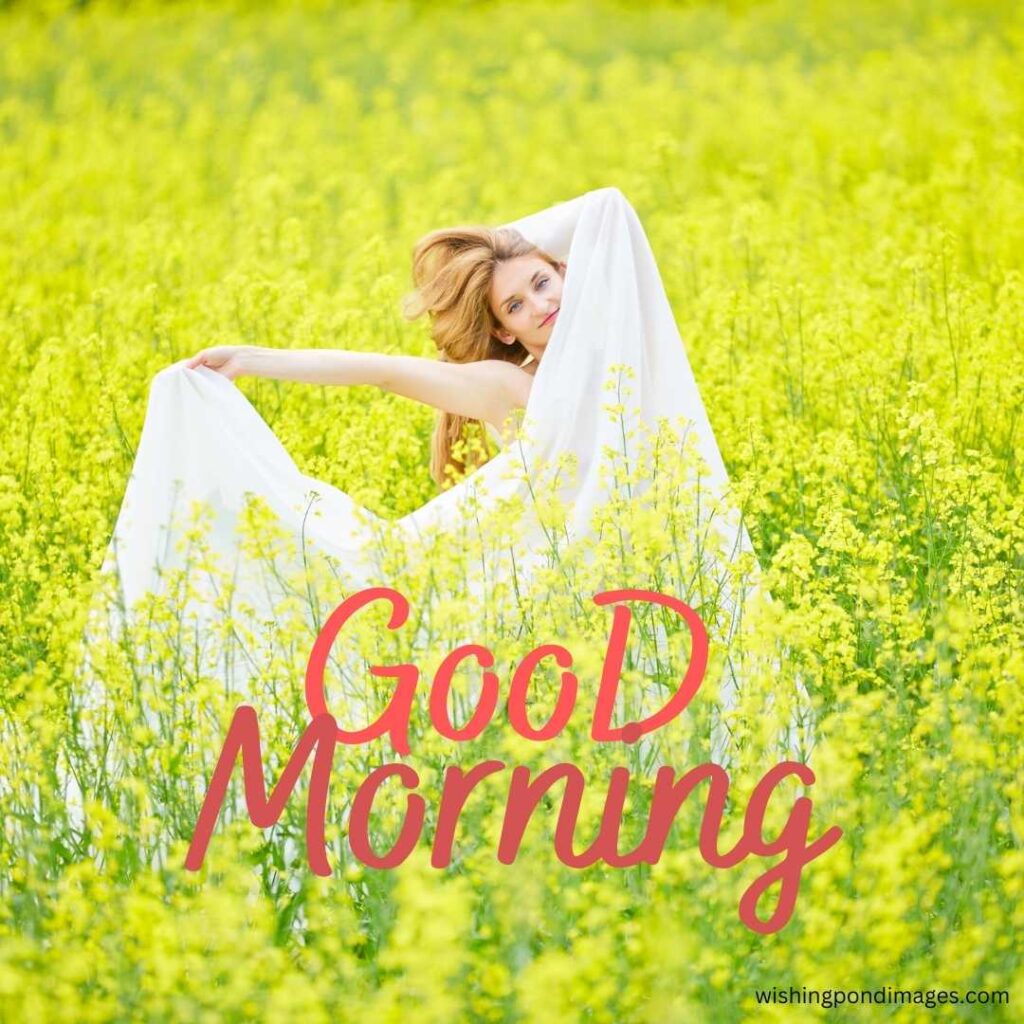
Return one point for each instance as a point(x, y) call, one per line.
point(452, 269)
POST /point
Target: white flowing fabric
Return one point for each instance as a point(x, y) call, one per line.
point(202, 439)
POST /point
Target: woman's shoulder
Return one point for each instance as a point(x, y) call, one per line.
point(510, 418)
point(507, 416)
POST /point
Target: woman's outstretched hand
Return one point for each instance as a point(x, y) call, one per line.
point(229, 360)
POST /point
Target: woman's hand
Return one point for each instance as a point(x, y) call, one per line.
point(229, 360)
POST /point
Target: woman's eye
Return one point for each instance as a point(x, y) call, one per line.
point(512, 308)
point(542, 281)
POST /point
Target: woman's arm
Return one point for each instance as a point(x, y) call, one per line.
point(553, 229)
point(484, 390)
point(314, 365)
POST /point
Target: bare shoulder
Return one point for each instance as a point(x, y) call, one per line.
point(483, 389)
point(516, 383)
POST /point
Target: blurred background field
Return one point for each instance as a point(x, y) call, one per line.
point(835, 197)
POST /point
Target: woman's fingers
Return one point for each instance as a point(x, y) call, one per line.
point(224, 359)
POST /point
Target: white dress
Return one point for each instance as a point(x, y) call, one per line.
point(495, 435)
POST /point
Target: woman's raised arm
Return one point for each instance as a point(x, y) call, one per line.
point(485, 390)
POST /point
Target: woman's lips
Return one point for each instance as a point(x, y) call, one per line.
point(550, 317)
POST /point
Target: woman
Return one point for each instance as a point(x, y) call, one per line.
point(560, 316)
point(493, 299)
point(518, 332)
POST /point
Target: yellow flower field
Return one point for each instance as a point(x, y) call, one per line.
point(835, 198)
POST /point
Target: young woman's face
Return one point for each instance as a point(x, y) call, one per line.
point(526, 294)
